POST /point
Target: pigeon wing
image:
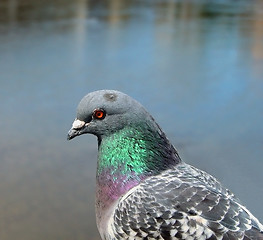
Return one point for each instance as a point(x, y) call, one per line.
point(183, 203)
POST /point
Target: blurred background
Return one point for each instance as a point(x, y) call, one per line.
point(197, 66)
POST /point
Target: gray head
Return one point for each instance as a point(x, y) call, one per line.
point(105, 111)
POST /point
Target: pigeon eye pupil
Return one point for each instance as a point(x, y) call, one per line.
point(99, 114)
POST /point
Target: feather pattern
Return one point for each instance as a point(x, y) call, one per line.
point(182, 203)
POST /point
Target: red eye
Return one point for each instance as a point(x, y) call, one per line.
point(99, 114)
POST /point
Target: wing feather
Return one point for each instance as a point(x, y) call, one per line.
point(183, 203)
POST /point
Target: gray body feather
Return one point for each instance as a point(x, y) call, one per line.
point(182, 203)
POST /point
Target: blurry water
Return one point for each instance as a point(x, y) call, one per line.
point(196, 65)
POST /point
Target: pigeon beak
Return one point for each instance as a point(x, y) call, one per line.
point(76, 129)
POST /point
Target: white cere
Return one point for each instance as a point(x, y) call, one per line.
point(78, 124)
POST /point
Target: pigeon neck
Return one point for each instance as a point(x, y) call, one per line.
point(127, 157)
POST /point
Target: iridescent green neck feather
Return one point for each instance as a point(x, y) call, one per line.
point(136, 151)
point(130, 155)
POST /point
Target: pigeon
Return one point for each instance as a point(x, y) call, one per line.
point(144, 190)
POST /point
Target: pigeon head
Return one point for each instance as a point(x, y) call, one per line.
point(104, 112)
point(126, 132)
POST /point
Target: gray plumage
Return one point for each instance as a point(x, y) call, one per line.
point(165, 198)
point(182, 203)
